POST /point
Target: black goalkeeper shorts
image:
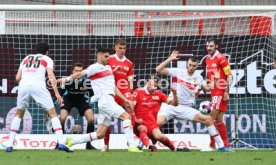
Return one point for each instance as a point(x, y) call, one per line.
point(79, 103)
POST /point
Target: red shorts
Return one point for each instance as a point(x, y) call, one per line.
point(121, 102)
point(149, 125)
point(219, 103)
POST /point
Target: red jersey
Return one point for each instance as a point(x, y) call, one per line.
point(123, 74)
point(148, 105)
point(219, 62)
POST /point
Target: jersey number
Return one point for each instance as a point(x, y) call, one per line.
point(35, 62)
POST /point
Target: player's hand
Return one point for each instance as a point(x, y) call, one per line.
point(216, 74)
point(174, 55)
point(116, 69)
point(59, 99)
point(129, 104)
point(139, 121)
point(173, 89)
point(226, 96)
point(61, 80)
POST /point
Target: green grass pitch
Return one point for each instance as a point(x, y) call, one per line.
point(122, 157)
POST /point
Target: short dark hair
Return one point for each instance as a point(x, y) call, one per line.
point(154, 77)
point(193, 59)
point(102, 50)
point(120, 42)
point(42, 47)
point(212, 39)
point(77, 64)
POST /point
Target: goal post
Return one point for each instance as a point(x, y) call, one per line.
point(245, 35)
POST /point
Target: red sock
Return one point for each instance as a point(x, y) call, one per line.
point(144, 138)
point(221, 127)
point(107, 136)
point(168, 143)
point(212, 142)
point(133, 119)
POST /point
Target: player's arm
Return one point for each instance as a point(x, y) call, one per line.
point(207, 86)
point(19, 72)
point(18, 75)
point(130, 78)
point(228, 72)
point(128, 103)
point(53, 82)
point(162, 67)
point(174, 100)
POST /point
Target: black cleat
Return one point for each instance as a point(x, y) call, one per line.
point(89, 146)
point(152, 148)
point(184, 149)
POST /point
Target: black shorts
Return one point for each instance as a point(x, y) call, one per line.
point(79, 103)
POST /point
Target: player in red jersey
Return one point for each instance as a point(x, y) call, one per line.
point(123, 72)
point(220, 94)
point(147, 102)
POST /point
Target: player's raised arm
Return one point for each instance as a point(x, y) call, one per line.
point(162, 67)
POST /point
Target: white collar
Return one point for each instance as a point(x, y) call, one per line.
point(216, 53)
point(118, 59)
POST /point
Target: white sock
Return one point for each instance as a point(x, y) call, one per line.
point(58, 130)
point(214, 133)
point(129, 132)
point(85, 138)
point(14, 129)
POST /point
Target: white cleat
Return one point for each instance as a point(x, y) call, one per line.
point(208, 149)
point(105, 148)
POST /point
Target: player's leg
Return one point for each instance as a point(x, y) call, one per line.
point(62, 117)
point(219, 108)
point(65, 110)
point(89, 115)
point(157, 134)
point(23, 99)
point(165, 114)
point(142, 131)
point(43, 98)
point(14, 128)
point(102, 128)
point(208, 121)
point(221, 127)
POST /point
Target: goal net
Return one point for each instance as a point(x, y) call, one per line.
point(246, 39)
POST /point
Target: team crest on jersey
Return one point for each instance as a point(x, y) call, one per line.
point(155, 97)
point(126, 68)
point(214, 65)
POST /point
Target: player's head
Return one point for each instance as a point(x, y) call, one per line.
point(77, 67)
point(102, 55)
point(120, 47)
point(192, 64)
point(152, 83)
point(211, 46)
point(42, 48)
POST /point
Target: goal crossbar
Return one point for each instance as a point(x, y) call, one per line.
point(126, 8)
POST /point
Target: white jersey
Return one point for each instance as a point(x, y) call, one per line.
point(102, 80)
point(186, 85)
point(34, 68)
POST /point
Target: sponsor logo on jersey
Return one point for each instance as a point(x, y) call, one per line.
point(155, 97)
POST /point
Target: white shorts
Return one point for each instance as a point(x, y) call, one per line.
point(108, 108)
point(182, 113)
point(41, 96)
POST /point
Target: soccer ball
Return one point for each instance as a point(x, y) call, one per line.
point(205, 107)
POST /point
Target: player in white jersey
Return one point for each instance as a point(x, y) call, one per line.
point(31, 79)
point(103, 84)
point(187, 82)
